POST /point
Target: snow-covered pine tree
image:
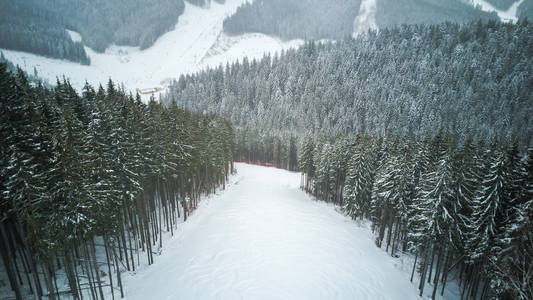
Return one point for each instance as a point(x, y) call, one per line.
point(510, 219)
point(467, 177)
point(337, 172)
point(436, 192)
point(24, 183)
point(488, 218)
point(102, 142)
point(74, 211)
point(422, 210)
point(321, 158)
point(359, 181)
point(391, 191)
point(520, 255)
point(486, 204)
point(306, 164)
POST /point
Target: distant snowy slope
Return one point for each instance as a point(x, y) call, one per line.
point(366, 19)
point(196, 42)
point(525, 10)
point(251, 45)
point(509, 15)
point(74, 36)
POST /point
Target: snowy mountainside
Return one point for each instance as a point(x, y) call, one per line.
point(195, 43)
point(74, 36)
point(366, 19)
point(318, 19)
point(509, 15)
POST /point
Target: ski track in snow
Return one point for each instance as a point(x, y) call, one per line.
point(263, 238)
point(183, 50)
point(366, 19)
point(509, 15)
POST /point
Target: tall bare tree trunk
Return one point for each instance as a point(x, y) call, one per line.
point(9, 262)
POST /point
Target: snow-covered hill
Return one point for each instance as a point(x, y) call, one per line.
point(264, 238)
point(509, 15)
point(367, 17)
point(196, 42)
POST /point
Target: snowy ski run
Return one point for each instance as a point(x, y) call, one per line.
point(264, 238)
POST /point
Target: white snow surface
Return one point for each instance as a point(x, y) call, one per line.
point(509, 15)
point(74, 36)
point(264, 238)
point(196, 42)
point(366, 19)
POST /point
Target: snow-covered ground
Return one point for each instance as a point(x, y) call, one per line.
point(74, 36)
point(263, 238)
point(366, 19)
point(196, 42)
point(509, 15)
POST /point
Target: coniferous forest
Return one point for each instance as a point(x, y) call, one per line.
point(473, 80)
point(390, 12)
point(290, 19)
point(315, 19)
point(92, 181)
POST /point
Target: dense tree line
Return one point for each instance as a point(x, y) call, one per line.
point(474, 79)
point(255, 145)
point(295, 19)
point(525, 10)
point(91, 182)
point(122, 22)
point(395, 12)
point(464, 209)
point(25, 27)
point(315, 19)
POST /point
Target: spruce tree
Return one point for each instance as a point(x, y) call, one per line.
point(487, 209)
point(359, 181)
point(306, 163)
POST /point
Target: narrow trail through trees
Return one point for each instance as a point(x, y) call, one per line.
point(265, 238)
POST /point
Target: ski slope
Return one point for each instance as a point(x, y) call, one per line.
point(263, 238)
point(509, 15)
point(196, 42)
point(366, 19)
